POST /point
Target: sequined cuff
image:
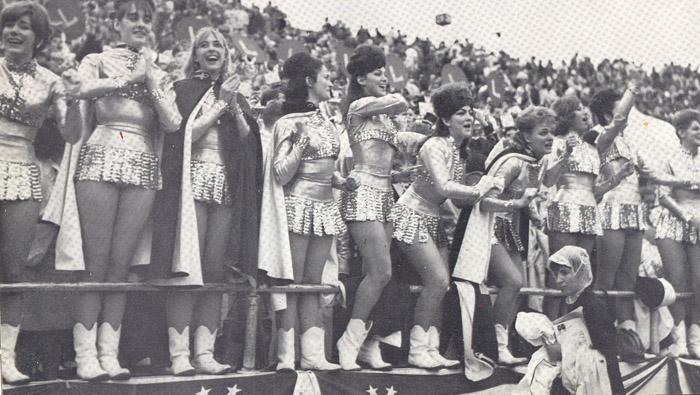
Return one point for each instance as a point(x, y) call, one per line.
point(120, 82)
point(157, 95)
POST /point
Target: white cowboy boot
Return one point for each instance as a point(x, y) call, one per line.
point(204, 361)
point(179, 347)
point(8, 341)
point(349, 344)
point(285, 349)
point(108, 351)
point(504, 355)
point(313, 354)
point(84, 343)
point(434, 349)
point(418, 351)
point(371, 355)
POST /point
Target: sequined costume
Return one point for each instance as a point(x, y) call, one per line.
point(207, 167)
point(122, 148)
point(621, 207)
point(373, 139)
point(416, 215)
point(574, 208)
point(685, 201)
point(518, 173)
point(306, 170)
point(29, 94)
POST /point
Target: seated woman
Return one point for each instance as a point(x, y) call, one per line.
point(580, 346)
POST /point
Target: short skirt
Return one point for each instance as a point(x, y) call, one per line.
point(505, 233)
point(120, 166)
point(668, 226)
point(366, 203)
point(20, 181)
point(567, 217)
point(312, 217)
point(622, 216)
point(209, 183)
point(411, 225)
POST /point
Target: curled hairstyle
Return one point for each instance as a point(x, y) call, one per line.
point(296, 69)
point(565, 110)
point(121, 7)
point(683, 119)
point(603, 104)
point(38, 16)
point(364, 60)
point(447, 100)
point(528, 120)
point(191, 65)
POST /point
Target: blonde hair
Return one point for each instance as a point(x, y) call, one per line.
point(190, 64)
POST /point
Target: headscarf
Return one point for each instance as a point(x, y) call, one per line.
point(577, 259)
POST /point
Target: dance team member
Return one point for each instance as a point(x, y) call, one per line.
point(416, 217)
point(374, 140)
point(29, 94)
point(127, 102)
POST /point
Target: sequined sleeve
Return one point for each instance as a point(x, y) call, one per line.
point(163, 95)
point(370, 106)
point(91, 85)
point(437, 157)
point(508, 172)
point(59, 109)
point(288, 152)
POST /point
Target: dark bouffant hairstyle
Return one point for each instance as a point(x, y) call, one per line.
point(364, 60)
point(447, 100)
point(564, 108)
point(37, 15)
point(121, 7)
point(603, 104)
point(683, 119)
point(295, 70)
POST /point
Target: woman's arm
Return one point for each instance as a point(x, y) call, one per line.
point(509, 171)
point(207, 119)
point(91, 86)
point(288, 156)
point(59, 108)
point(160, 85)
point(370, 106)
point(619, 122)
point(434, 155)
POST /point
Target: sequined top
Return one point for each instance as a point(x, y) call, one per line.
point(583, 159)
point(368, 118)
point(306, 167)
point(441, 178)
point(518, 174)
point(619, 149)
point(129, 114)
point(684, 165)
point(28, 95)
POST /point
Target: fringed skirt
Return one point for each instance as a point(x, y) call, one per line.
point(117, 165)
point(668, 226)
point(366, 203)
point(312, 217)
point(507, 235)
point(411, 225)
point(621, 216)
point(20, 181)
point(209, 183)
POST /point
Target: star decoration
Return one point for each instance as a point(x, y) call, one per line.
point(391, 391)
point(233, 390)
point(203, 391)
point(372, 391)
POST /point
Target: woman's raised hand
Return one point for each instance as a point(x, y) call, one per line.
point(229, 89)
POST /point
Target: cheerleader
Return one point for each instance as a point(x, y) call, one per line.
point(305, 148)
point(126, 102)
point(677, 232)
point(499, 214)
point(29, 94)
point(215, 124)
point(416, 217)
point(374, 140)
